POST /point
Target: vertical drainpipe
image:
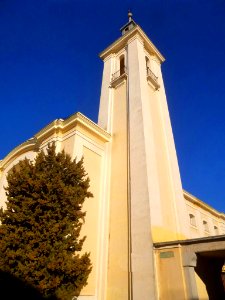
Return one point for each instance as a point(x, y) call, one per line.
point(130, 285)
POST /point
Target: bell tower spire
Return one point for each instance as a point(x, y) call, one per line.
point(129, 15)
point(129, 25)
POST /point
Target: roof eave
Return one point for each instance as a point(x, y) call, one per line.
point(123, 41)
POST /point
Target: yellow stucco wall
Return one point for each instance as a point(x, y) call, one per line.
point(68, 144)
point(92, 163)
point(118, 239)
point(166, 229)
point(199, 212)
point(171, 283)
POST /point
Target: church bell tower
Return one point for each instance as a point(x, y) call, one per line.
point(146, 197)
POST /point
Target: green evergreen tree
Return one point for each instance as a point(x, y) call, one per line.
point(40, 239)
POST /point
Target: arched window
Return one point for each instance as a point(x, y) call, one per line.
point(192, 220)
point(122, 65)
point(205, 226)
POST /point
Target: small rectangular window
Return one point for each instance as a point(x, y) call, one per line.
point(192, 220)
point(216, 230)
point(205, 226)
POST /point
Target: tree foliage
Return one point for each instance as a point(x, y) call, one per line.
point(40, 228)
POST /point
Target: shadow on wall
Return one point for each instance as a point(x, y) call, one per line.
point(12, 288)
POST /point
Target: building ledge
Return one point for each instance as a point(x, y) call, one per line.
point(216, 238)
point(117, 79)
point(151, 77)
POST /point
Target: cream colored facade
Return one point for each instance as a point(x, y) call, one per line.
point(140, 219)
point(203, 219)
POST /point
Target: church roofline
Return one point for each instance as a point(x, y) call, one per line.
point(123, 40)
point(55, 127)
point(203, 205)
point(77, 118)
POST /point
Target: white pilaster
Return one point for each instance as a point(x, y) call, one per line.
point(142, 264)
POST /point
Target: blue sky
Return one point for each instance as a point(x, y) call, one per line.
point(49, 68)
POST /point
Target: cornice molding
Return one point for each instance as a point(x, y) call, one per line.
point(124, 40)
point(57, 127)
point(203, 205)
point(112, 55)
point(136, 37)
point(25, 147)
